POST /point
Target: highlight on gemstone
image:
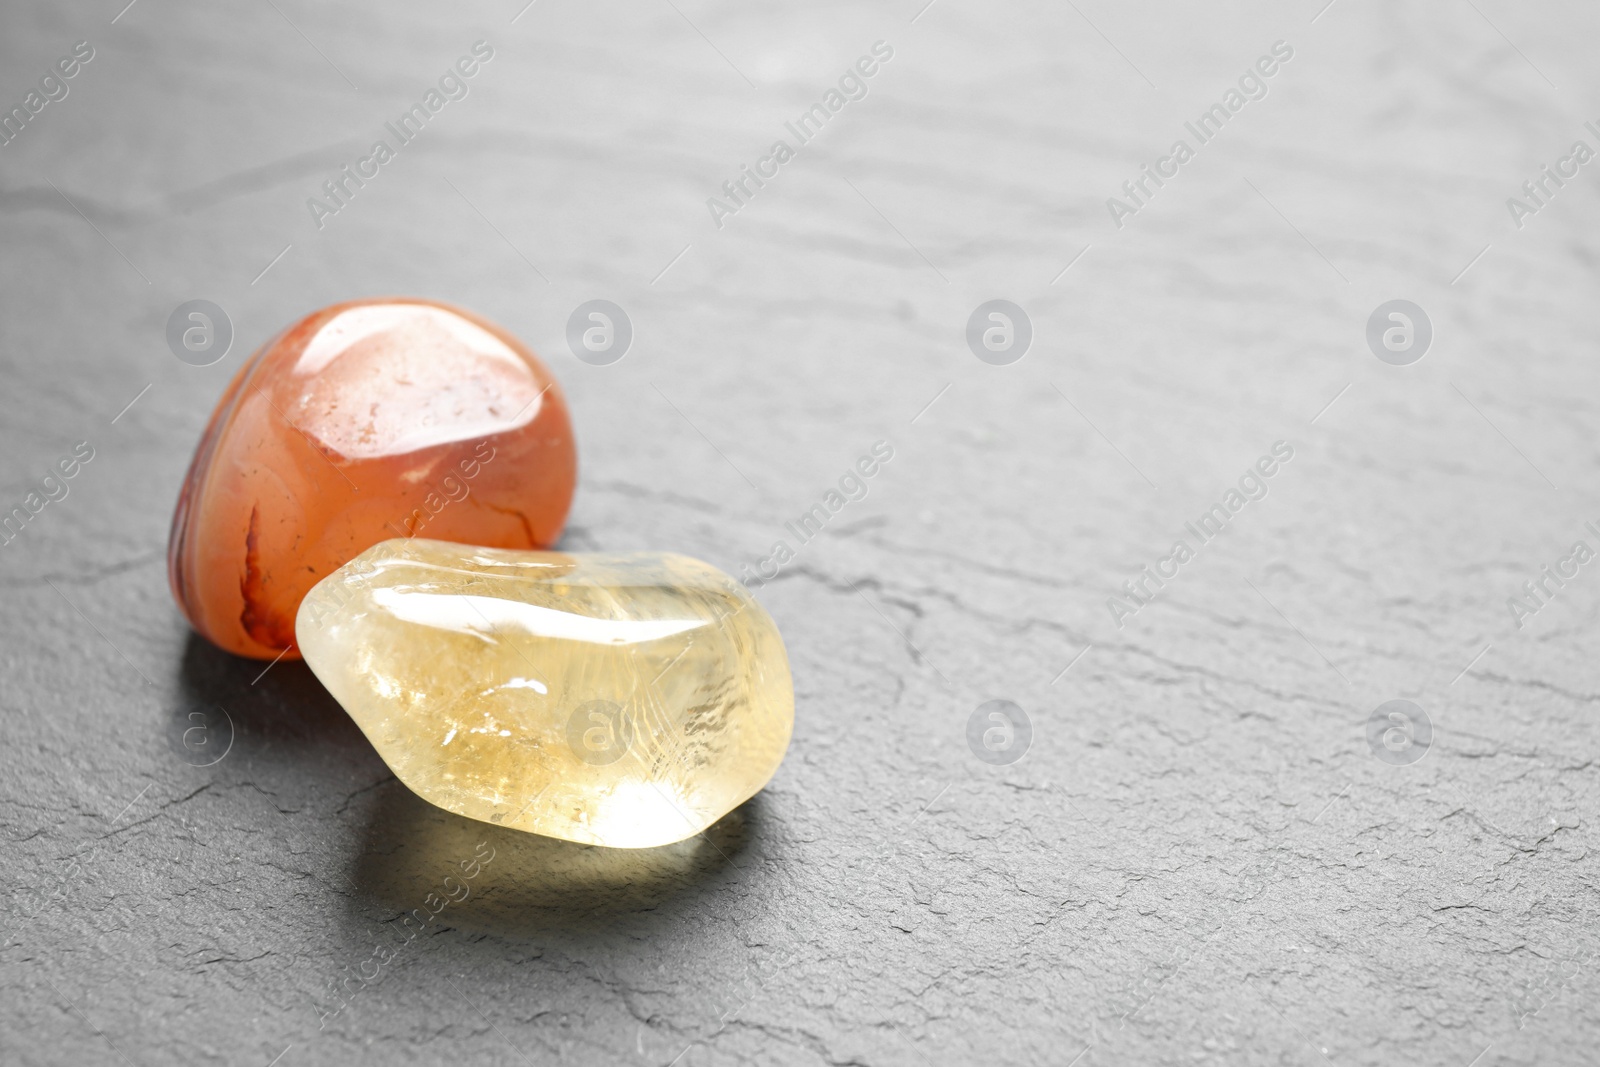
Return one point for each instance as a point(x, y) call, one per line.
point(364, 421)
point(627, 700)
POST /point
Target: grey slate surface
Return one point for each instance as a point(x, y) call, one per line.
point(1198, 860)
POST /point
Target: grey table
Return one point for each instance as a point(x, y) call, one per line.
point(1207, 852)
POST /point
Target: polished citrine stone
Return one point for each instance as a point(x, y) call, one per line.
point(362, 422)
point(621, 700)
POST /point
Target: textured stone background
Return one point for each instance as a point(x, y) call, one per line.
point(1199, 859)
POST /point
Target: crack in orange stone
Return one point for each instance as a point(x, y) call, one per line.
point(527, 527)
point(257, 618)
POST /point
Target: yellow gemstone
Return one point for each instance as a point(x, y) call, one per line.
point(621, 700)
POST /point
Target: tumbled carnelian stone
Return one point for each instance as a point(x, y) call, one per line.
point(362, 422)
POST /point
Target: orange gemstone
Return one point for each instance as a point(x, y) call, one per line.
point(363, 421)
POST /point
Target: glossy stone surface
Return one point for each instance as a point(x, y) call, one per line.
point(621, 700)
point(363, 421)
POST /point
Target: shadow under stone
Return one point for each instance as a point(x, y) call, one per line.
point(444, 870)
point(284, 707)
